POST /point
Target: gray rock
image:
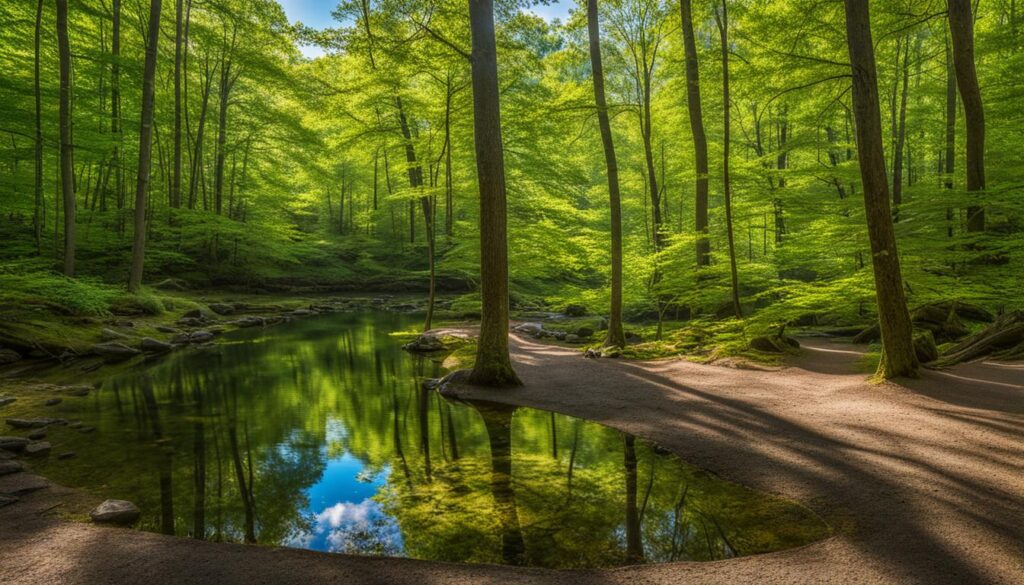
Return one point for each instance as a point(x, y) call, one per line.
point(8, 467)
point(116, 512)
point(38, 448)
point(534, 329)
point(559, 335)
point(13, 443)
point(111, 335)
point(222, 308)
point(7, 500)
point(37, 435)
point(424, 343)
point(17, 484)
point(150, 345)
point(200, 337)
point(250, 321)
point(34, 423)
point(114, 350)
point(53, 402)
point(8, 356)
point(165, 329)
point(5, 400)
point(302, 312)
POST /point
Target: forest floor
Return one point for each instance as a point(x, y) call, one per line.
point(920, 480)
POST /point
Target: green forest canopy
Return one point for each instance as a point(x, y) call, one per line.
point(298, 172)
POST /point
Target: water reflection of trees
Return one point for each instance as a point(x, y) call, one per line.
point(226, 443)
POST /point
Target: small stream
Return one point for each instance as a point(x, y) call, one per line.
point(317, 434)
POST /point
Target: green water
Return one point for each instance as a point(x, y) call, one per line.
point(316, 434)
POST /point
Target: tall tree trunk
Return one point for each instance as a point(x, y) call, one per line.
point(449, 204)
point(898, 357)
point(176, 177)
point(493, 366)
point(226, 81)
point(901, 136)
point(616, 337)
point(197, 157)
point(145, 147)
point(723, 30)
point(37, 215)
point(415, 172)
point(700, 141)
point(115, 109)
point(950, 155)
point(961, 27)
point(67, 168)
point(652, 173)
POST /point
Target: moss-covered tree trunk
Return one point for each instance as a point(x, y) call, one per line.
point(616, 337)
point(897, 342)
point(493, 366)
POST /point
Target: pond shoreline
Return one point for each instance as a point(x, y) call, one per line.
point(769, 430)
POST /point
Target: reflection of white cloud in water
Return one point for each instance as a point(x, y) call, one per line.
point(358, 528)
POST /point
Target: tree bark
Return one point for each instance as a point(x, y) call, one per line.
point(37, 215)
point(700, 141)
point(145, 147)
point(176, 177)
point(723, 30)
point(493, 366)
point(898, 357)
point(950, 155)
point(961, 27)
point(67, 169)
point(615, 337)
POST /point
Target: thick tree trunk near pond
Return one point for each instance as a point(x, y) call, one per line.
point(700, 141)
point(493, 366)
point(67, 169)
point(898, 358)
point(961, 27)
point(615, 337)
point(145, 148)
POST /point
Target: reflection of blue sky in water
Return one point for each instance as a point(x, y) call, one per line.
point(344, 517)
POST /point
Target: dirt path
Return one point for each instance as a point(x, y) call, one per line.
point(923, 482)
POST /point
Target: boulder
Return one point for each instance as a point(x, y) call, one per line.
point(8, 356)
point(533, 329)
point(34, 423)
point(249, 321)
point(13, 443)
point(17, 484)
point(150, 345)
point(114, 351)
point(222, 308)
point(116, 512)
point(575, 310)
point(111, 335)
point(424, 343)
point(8, 467)
point(38, 448)
point(165, 329)
point(200, 337)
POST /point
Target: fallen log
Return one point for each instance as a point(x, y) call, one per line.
point(1003, 339)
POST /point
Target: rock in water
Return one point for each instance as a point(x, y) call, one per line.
point(114, 351)
point(424, 343)
point(115, 512)
point(200, 337)
point(150, 345)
